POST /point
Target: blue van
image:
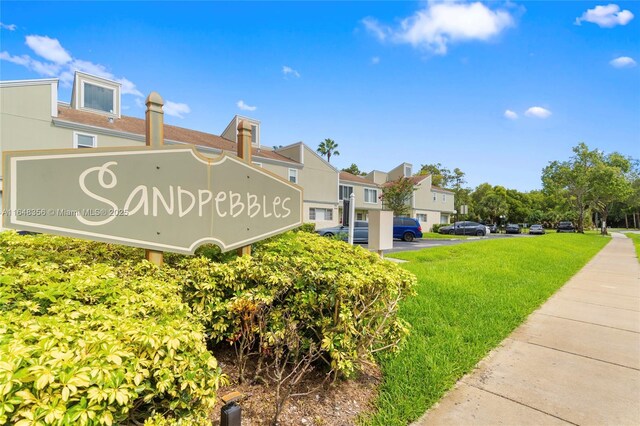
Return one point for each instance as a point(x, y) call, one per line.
point(406, 228)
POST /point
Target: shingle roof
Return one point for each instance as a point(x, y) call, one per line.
point(437, 188)
point(174, 133)
point(415, 179)
point(346, 176)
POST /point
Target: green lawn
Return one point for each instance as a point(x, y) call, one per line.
point(636, 242)
point(469, 298)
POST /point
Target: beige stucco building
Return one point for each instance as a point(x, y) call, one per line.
point(429, 204)
point(33, 118)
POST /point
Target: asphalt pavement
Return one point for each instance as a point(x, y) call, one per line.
point(422, 243)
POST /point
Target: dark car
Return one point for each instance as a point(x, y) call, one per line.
point(465, 228)
point(512, 228)
point(565, 226)
point(536, 229)
point(360, 232)
point(406, 228)
point(493, 228)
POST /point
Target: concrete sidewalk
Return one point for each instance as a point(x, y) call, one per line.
point(576, 360)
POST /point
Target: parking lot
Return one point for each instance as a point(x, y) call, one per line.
point(420, 244)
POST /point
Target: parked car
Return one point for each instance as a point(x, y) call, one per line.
point(512, 228)
point(406, 228)
point(566, 226)
point(536, 229)
point(465, 228)
point(493, 228)
point(360, 232)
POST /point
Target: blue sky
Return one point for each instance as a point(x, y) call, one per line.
point(497, 89)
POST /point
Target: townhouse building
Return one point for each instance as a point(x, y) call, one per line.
point(33, 118)
point(428, 203)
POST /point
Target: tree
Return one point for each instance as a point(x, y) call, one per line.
point(328, 147)
point(440, 175)
point(609, 182)
point(397, 194)
point(354, 170)
point(572, 179)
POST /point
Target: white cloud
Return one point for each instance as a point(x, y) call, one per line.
point(288, 70)
point(375, 60)
point(442, 23)
point(510, 115)
point(10, 27)
point(537, 112)
point(606, 16)
point(60, 63)
point(176, 109)
point(44, 69)
point(48, 48)
point(623, 62)
point(245, 107)
point(374, 27)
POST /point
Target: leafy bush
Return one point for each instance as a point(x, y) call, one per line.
point(90, 333)
point(436, 227)
point(342, 298)
point(84, 343)
point(307, 227)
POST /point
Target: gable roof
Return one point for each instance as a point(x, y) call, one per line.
point(439, 189)
point(350, 177)
point(174, 133)
point(414, 179)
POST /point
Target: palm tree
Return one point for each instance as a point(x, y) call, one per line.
point(328, 147)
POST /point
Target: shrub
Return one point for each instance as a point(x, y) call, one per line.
point(342, 298)
point(307, 227)
point(95, 344)
point(436, 227)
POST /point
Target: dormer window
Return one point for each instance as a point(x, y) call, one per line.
point(98, 97)
point(231, 132)
point(407, 171)
point(96, 94)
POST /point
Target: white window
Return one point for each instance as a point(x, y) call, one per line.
point(84, 140)
point(320, 214)
point(293, 175)
point(435, 197)
point(370, 195)
point(345, 192)
point(422, 218)
point(254, 134)
point(255, 163)
point(359, 216)
point(444, 198)
point(407, 171)
point(98, 97)
point(444, 219)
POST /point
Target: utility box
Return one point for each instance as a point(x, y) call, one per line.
point(380, 230)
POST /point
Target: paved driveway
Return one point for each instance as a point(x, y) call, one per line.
point(423, 243)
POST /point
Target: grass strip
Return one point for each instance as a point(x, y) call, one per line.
point(469, 298)
point(636, 242)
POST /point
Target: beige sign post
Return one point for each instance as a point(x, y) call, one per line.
point(154, 132)
point(160, 198)
point(244, 153)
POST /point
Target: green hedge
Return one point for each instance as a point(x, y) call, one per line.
point(436, 227)
point(92, 343)
point(342, 298)
point(91, 333)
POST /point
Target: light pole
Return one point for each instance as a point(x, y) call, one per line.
point(502, 219)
